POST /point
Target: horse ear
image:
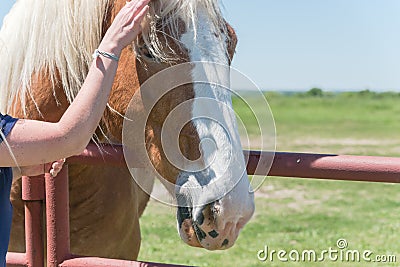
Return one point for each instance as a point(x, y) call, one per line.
point(232, 41)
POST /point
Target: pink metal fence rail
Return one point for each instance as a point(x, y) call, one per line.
point(53, 193)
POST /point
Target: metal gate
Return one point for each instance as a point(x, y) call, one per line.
point(52, 193)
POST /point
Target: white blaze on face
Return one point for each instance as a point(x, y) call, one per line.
point(215, 122)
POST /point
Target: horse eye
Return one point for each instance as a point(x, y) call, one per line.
point(144, 50)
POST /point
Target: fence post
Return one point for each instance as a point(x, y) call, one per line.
point(33, 196)
point(57, 218)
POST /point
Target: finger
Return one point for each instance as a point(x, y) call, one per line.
point(131, 9)
point(58, 164)
point(55, 171)
point(137, 7)
point(56, 167)
point(140, 16)
point(137, 3)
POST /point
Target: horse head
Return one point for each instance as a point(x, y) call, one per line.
point(191, 135)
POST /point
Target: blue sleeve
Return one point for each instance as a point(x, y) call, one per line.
point(6, 125)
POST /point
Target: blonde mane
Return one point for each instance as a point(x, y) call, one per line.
point(40, 35)
point(63, 35)
point(165, 17)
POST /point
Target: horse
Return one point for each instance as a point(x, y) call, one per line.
point(46, 49)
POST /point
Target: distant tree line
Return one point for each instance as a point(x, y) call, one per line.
point(318, 92)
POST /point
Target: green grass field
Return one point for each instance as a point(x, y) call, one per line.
point(304, 214)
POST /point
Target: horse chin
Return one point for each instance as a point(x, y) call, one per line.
point(189, 233)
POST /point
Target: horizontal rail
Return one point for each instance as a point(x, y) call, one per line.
point(285, 164)
point(327, 166)
point(99, 155)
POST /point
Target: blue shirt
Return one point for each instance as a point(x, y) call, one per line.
point(6, 124)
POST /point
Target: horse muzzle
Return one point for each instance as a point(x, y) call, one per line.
point(208, 226)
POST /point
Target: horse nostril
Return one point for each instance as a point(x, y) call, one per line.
point(240, 224)
point(216, 207)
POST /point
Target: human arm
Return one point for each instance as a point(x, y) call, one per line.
point(35, 142)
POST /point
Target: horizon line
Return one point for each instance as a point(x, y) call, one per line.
point(325, 90)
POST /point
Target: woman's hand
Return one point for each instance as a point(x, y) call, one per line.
point(56, 167)
point(125, 27)
point(52, 168)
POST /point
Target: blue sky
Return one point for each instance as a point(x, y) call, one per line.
point(299, 44)
point(333, 44)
